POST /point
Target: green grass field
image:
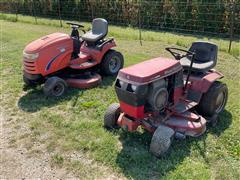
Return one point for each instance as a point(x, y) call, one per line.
point(73, 124)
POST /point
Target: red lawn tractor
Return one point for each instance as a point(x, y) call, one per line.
point(170, 97)
point(59, 60)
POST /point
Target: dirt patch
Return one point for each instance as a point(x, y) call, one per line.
point(15, 160)
point(24, 157)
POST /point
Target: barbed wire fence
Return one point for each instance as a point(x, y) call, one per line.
point(220, 18)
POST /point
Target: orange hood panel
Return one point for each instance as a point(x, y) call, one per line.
point(46, 41)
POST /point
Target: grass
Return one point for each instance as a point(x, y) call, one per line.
point(73, 124)
point(57, 160)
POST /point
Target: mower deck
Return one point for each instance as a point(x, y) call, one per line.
point(188, 127)
point(188, 123)
point(84, 81)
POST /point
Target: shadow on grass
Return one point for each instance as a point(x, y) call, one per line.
point(224, 121)
point(107, 81)
point(34, 100)
point(136, 162)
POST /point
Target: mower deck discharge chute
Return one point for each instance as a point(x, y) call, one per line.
point(59, 60)
point(170, 97)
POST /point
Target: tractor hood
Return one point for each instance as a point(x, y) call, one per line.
point(46, 42)
point(150, 70)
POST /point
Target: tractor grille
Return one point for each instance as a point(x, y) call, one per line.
point(29, 66)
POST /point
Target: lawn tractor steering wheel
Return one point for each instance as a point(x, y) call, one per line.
point(75, 27)
point(177, 55)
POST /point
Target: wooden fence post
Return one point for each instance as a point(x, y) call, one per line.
point(34, 11)
point(232, 19)
point(91, 4)
point(79, 11)
point(139, 22)
point(16, 11)
point(59, 13)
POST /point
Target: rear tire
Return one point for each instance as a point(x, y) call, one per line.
point(161, 140)
point(112, 62)
point(55, 87)
point(214, 100)
point(111, 116)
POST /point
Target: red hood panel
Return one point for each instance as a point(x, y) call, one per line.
point(150, 70)
point(46, 41)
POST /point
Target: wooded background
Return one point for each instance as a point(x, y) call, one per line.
point(213, 17)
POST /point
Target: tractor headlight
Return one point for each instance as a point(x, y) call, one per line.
point(134, 88)
point(31, 56)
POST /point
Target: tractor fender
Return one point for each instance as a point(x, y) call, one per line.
point(105, 48)
point(202, 84)
point(95, 53)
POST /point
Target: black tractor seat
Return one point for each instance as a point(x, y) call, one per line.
point(98, 32)
point(205, 56)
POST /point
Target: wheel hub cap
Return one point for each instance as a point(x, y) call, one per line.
point(114, 64)
point(58, 89)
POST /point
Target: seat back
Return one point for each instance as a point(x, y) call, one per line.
point(100, 26)
point(204, 51)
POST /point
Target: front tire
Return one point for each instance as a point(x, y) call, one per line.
point(55, 87)
point(28, 82)
point(112, 62)
point(111, 116)
point(214, 100)
point(161, 140)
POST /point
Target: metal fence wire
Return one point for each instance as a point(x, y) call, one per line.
point(220, 18)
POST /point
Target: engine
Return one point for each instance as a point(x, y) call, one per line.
point(157, 97)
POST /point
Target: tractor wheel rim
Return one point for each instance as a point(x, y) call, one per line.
point(114, 64)
point(58, 90)
point(220, 102)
